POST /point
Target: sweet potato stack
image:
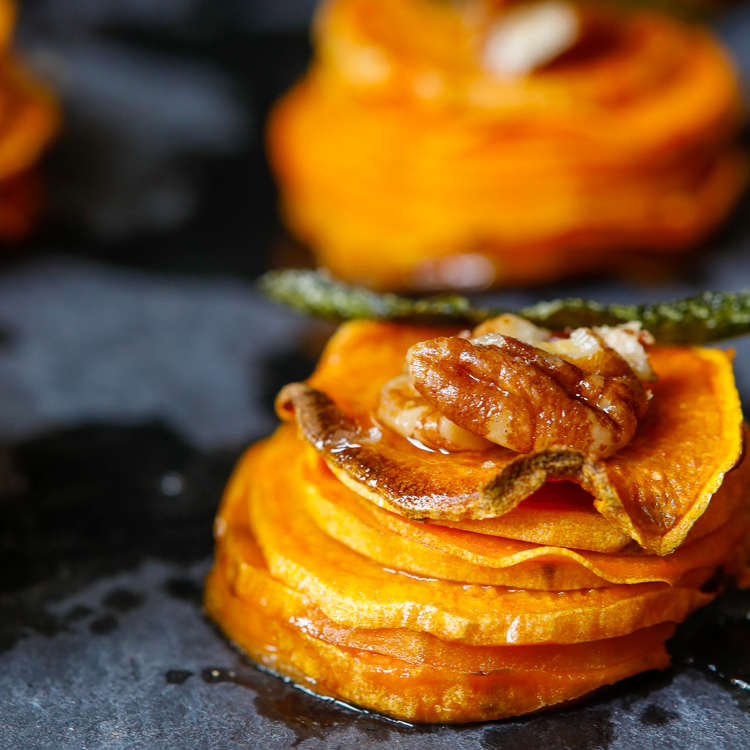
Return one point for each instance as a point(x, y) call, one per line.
point(467, 586)
point(406, 159)
point(29, 118)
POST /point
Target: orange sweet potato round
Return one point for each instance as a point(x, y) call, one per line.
point(411, 691)
point(560, 514)
point(8, 14)
point(242, 565)
point(449, 587)
point(29, 118)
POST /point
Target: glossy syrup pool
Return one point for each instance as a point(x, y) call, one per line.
point(80, 505)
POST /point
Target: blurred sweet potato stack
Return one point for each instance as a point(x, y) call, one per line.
point(29, 118)
point(475, 582)
point(470, 143)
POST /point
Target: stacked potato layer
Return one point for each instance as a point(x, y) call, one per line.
point(370, 585)
point(405, 163)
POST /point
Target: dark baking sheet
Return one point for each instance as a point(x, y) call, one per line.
point(136, 362)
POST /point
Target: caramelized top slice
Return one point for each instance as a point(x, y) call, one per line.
point(654, 488)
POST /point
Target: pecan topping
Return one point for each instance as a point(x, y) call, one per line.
point(527, 395)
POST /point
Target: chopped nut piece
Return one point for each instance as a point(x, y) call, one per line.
point(628, 340)
point(512, 325)
point(405, 411)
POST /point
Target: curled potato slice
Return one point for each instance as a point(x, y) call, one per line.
point(422, 547)
point(560, 514)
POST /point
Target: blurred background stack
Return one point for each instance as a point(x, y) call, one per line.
point(478, 144)
point(161, 103)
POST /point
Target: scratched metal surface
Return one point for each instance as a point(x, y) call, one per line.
point(135, 363)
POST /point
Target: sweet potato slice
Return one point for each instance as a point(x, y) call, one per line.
point(354, 591)
point(378, 534)
point(415, 692)
point(550, 572)
point(432, 680)
point(29, 118)
point(532, 177)
point(665, 478)
point(654, 489)
point(560, 514)
point(242, 565)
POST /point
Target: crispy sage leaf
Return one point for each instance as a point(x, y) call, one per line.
point(316, 294)
point(706, 317)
